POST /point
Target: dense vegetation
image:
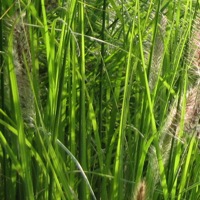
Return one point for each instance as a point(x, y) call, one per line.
point(99, 99)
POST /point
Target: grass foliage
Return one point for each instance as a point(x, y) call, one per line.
point(99, 99)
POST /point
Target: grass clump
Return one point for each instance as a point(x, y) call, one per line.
point(99, 100)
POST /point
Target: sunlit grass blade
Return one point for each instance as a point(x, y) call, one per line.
point(118, 170)
point(23, 153)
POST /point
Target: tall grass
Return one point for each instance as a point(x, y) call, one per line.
point(99, 99)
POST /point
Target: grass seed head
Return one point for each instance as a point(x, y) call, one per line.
point(23, 67)
point(140, 193)
point(192, 115)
